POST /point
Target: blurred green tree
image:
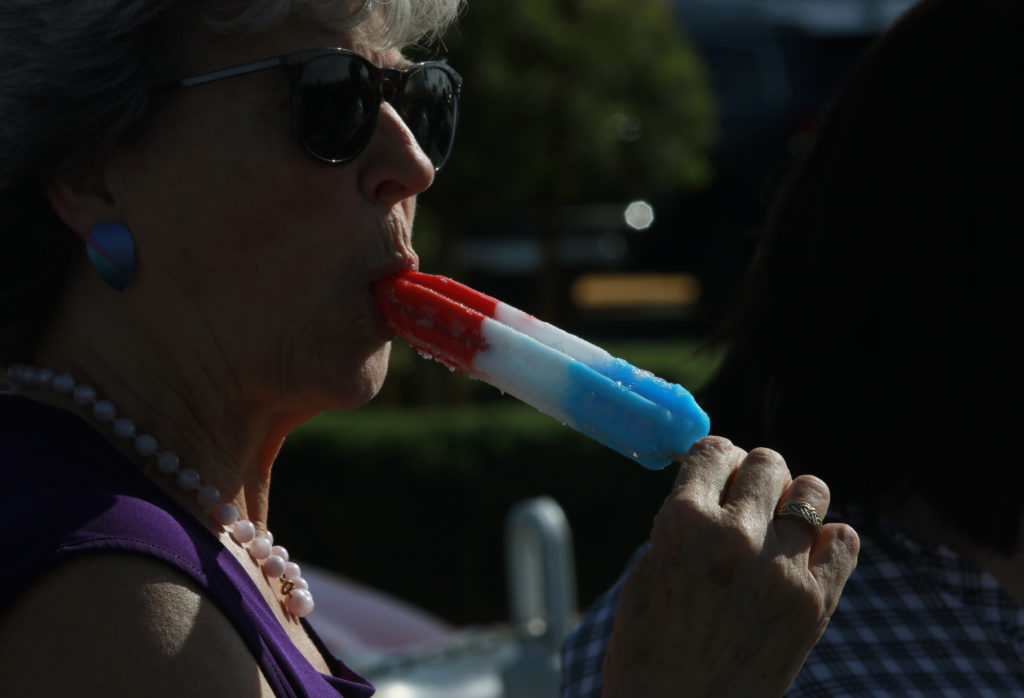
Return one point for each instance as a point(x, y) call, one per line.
point(567, 102)
point(573, 101)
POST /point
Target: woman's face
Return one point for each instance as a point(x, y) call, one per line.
point(259, 254)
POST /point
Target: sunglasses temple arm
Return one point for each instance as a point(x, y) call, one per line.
point(231, 72)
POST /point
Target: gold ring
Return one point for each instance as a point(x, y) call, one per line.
point(803, 511)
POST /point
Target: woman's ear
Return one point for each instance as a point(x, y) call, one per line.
point(85, 204)
point(81, 198)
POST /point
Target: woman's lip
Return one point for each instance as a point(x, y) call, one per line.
point(397, 268)
point(383, 327)
point(400, 263)
point(390, 271)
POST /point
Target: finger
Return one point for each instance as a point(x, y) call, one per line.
point(758, 484)
point(801, 509)
point(706, 468)
point(833, 559)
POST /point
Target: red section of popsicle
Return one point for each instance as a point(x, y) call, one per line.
point(433, 322)
point(460, 293)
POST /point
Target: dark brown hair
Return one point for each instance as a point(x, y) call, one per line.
point(877, 341)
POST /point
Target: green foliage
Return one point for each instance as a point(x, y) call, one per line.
point(570, 101)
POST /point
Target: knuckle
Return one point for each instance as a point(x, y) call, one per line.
point(850, 541)
point(712, 441)
point(811, 486)
point(766, 458)
point(712, 445)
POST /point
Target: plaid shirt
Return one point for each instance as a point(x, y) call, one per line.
point(915, 619)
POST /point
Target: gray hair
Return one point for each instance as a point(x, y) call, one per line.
point(75, 78)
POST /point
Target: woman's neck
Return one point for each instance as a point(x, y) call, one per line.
point(231, 443)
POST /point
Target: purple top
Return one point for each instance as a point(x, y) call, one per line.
point(67, 491)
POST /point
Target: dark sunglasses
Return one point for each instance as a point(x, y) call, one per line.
point(336, 95)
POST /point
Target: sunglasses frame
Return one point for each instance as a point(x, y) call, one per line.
point(390, 82)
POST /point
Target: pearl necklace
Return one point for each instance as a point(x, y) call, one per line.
point(273, 559)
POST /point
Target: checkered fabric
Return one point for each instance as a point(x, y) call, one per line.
point(915, 619)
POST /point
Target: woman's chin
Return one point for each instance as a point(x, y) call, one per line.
point(355, 388)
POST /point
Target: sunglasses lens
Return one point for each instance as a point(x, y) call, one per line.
point(429, 105)
point(338, 97)
point(337, 102)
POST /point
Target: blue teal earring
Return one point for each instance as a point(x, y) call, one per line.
point(112, 253)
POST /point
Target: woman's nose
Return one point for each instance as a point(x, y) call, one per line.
point(393, 167)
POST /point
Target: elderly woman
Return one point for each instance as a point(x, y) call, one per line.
point(196, 198)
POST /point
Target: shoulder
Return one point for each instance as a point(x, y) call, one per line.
point(122, 624)
point(918, 616)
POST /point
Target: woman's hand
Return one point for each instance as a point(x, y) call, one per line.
point(729, 598)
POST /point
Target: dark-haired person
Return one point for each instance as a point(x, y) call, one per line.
point(878, 341)
point(196, 197)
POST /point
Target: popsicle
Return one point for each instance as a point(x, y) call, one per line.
point(625, 408)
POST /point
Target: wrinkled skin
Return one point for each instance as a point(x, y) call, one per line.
point(729, 599)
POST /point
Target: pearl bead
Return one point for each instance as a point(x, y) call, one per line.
point(273, 566)
point(44, 378)
point(226, 514)
point(260, 548)
point(280, 552)
point(167, 462)
point(299, 603)
point(28, 375)
point(188, 480)
point(124, 428)
point(145, 445)
point(300, 583)
point(270, 537)
point(104, 411)
point(208, 497)
point(84, 395)
point(243, 531)
point(292, 571)
point(63, 383)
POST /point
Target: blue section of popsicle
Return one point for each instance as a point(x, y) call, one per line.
point(634, 412)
